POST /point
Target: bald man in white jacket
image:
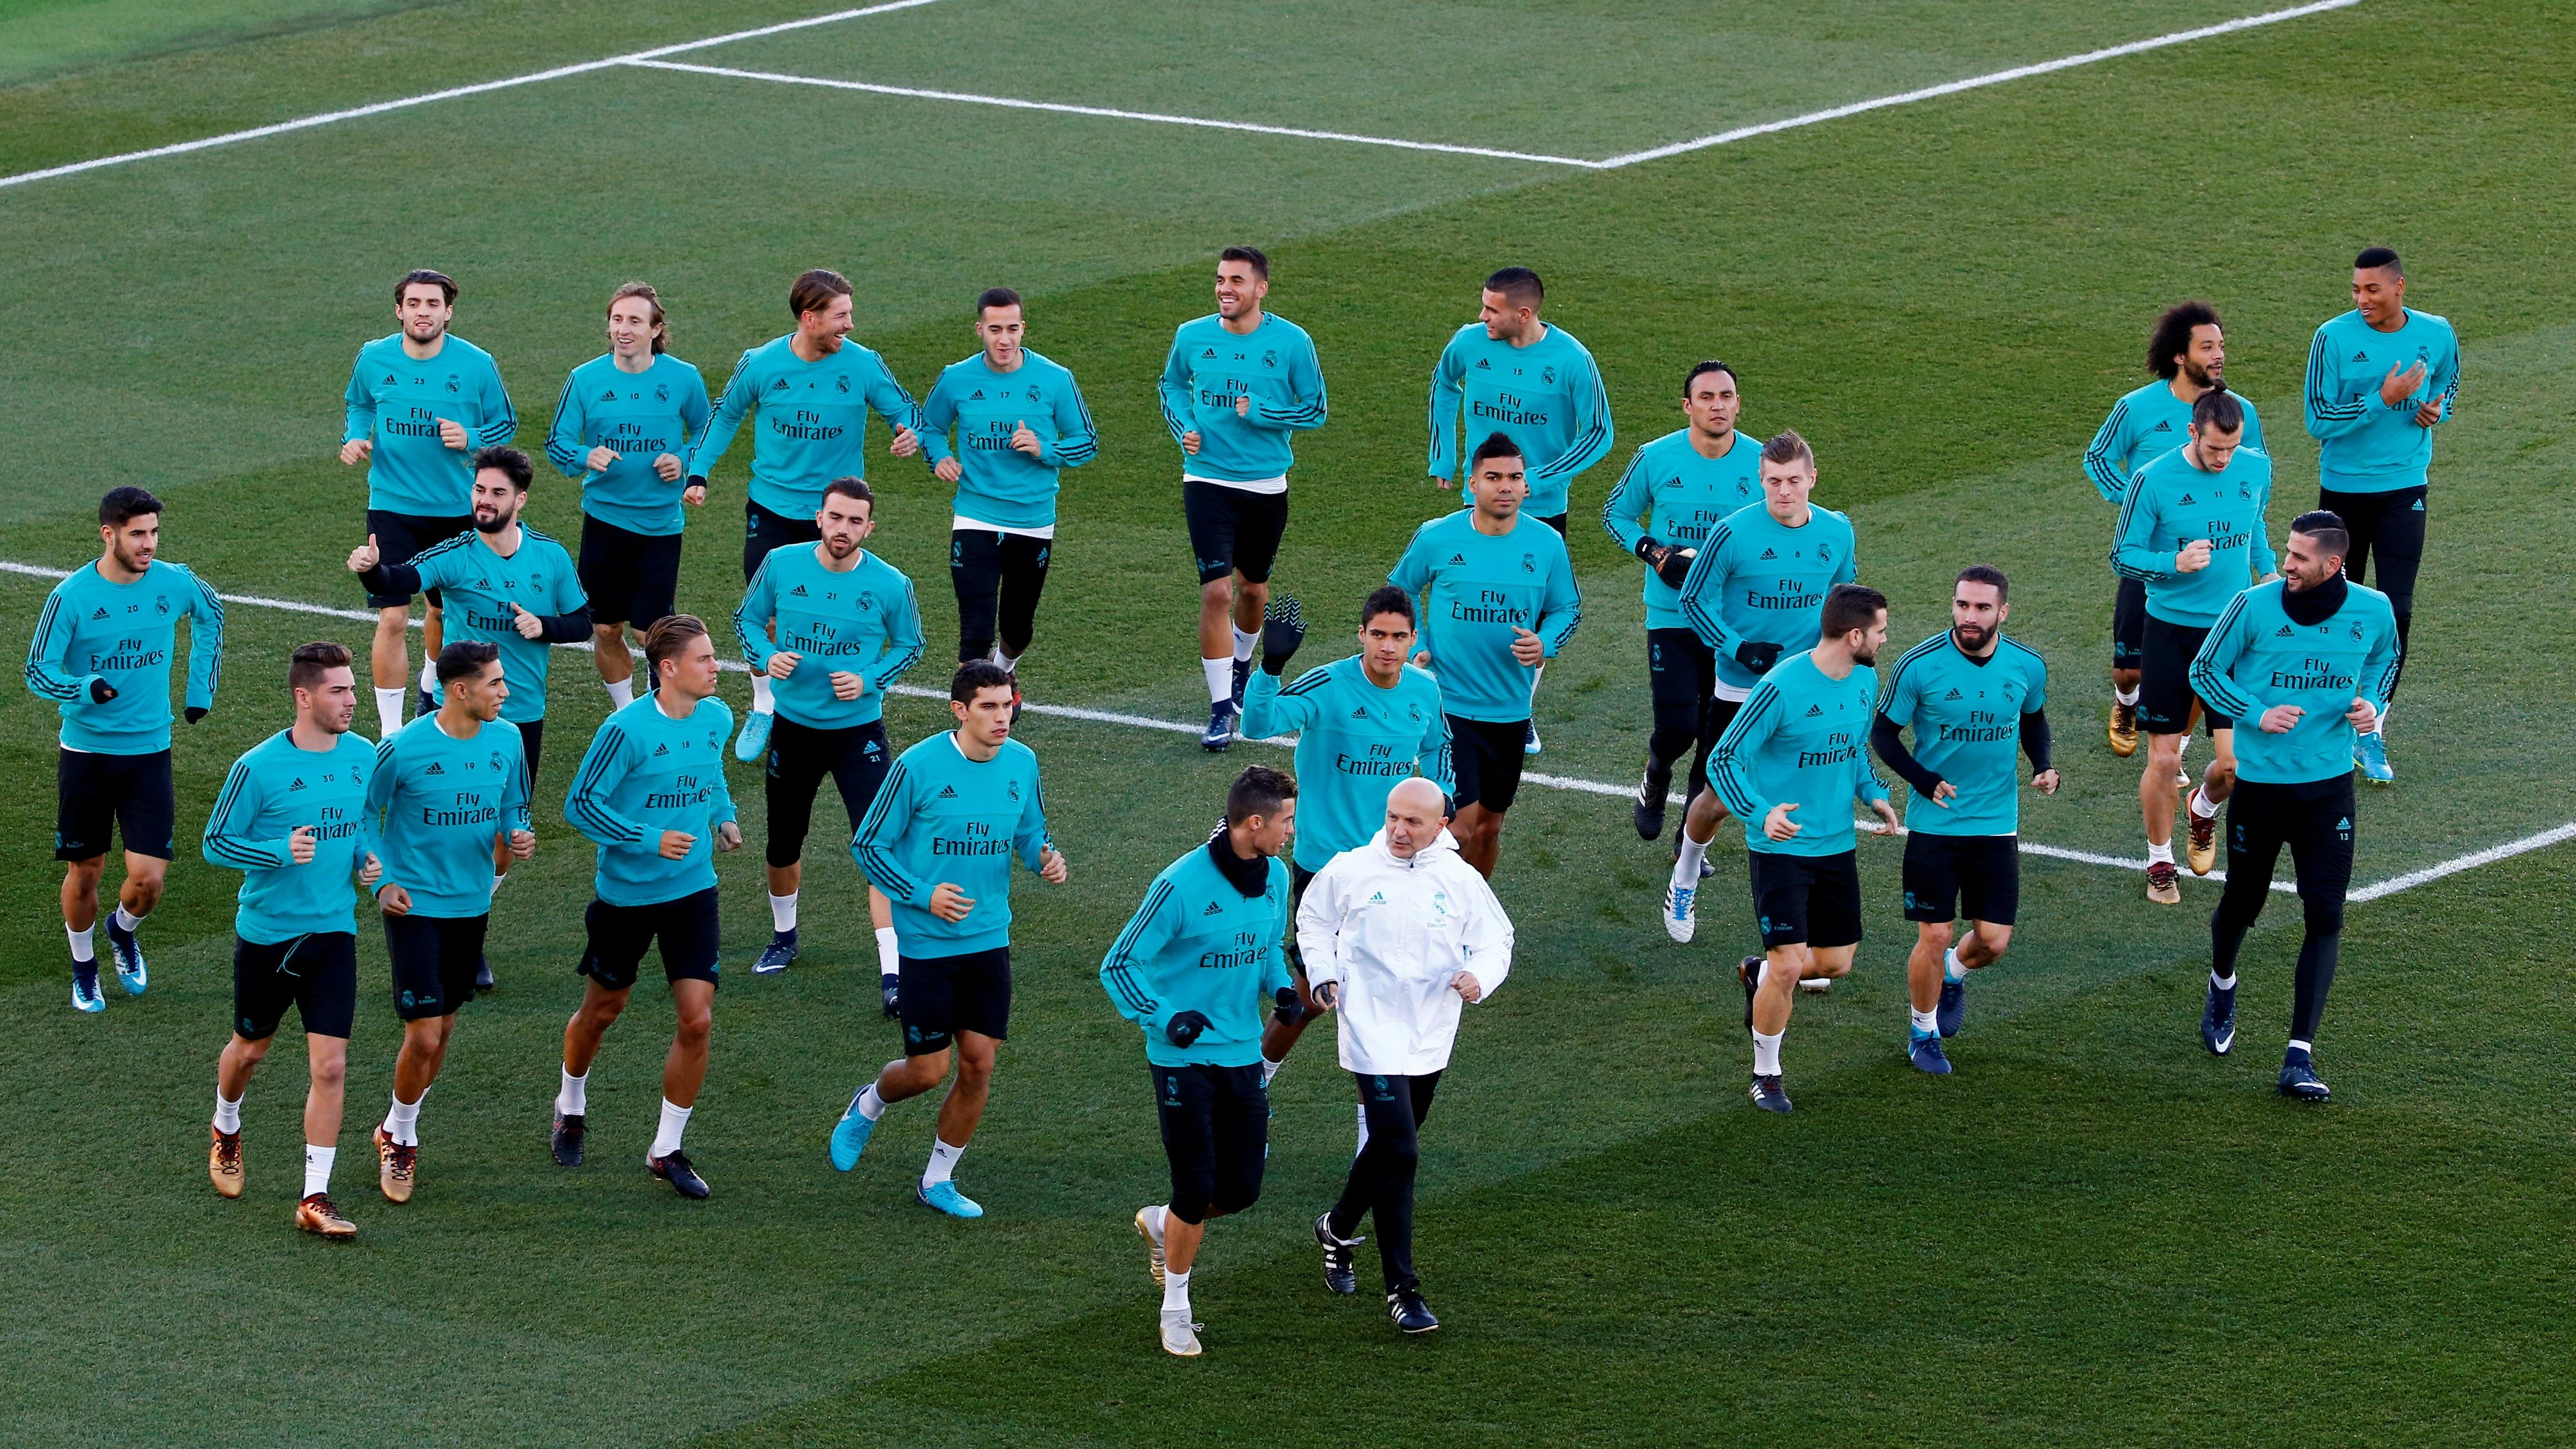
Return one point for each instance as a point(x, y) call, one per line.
point(1398, 936)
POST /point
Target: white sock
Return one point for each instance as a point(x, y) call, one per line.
point(2223, 983)
point(1363, 1145)
point(574, 1098)
point(1951, 967)
point(317, 1168)
point(1766, 1054)
point(402, 1124)
point(1176, 1292)
point(871, 1106)
point(1925, 1023)
point(2182, 749)
point(82, 950)
point(782, 913)
point(125, 920)
point(1269, 1069)
point(2202, 806)
point(1220, 678)
point(1243, 648)
point(389, 708)
point(227, 1114)
point(497, 878)
point(428, 675)
point(675, 1121)
point(2124, 696)
point(889, 957)
point(1155, 1219)
point(1686, 865)
point(943, 1163)
point(2296, 1045)
point(1536, 675)
point(1010, 662)
point(2381, 723)
point(761, 702)
point(2159, 853)
point(621, 692)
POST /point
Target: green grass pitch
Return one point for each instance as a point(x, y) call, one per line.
point(2091, 1234)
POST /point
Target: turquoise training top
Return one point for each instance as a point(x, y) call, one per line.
point(397, 401)
point(863, 622)
point(481, 587)
point(639, 416)
point(1208, 368)
point(92, 628)
point(2173, 502)
point(811, 421)
point(997, 483)
point(273, 790)
point(1198, 944)
point(1760, 580)
point(2363, 444)
point(2143, 425)
point(1355, 742)
point(440, 801)
point(2257, 657)
point(1801, 739)
point(1476, 589)
point(943, 818)
point(646, 773)
point(1966, 717)
point(1670, 494)
point(1546, 397)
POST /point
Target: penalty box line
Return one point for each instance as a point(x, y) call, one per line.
point(656, 58)
point(2408, 881)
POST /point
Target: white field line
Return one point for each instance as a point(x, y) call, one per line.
point(1012, 103)
point(1995, 78)
point(2389, 887)
point(327, 118)
point(654, 58)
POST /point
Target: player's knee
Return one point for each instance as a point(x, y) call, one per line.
point(1233, 1197)
point(1935, 934)
point(696, 1025)
point(1994, 938)
point(2323, 918)
point(330, 1074)
point(1192, 1196)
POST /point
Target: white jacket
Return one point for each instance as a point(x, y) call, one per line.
point(1394, 933)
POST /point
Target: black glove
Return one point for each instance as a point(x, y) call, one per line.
point(699, 480)
point(1283, 629)
point(1289, 1008)
point(196, 712)
point(1676, 566)
point(1757, 656)
point(1185, 1028)
point(1647, 550)
point(886, 993)
point(100, 691)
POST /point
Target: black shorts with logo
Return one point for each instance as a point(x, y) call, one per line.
point(941, 996)
point(629, 577)
point(1486, 760)
point(857, 759)
point(687, 930)
point(435, 959)
point(763, 530)
point(2165, 695)
point(2313, 818)
point(1216, 1136)
point(1232, 530)
point(316, 974)
point(100, 797)
point(2129, 624)
point(1949, 876)
point(1810, 900)
point(399, 539)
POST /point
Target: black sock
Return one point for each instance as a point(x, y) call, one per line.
point(2317, 957)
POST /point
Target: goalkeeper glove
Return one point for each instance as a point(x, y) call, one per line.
point(1283, 629)
point(1676, 565)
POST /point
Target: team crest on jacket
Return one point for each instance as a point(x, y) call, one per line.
point(1033, 393)
point(841, 384)
point(1529, 563)
point(1547, 374)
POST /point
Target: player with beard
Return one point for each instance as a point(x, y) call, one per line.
point(421, 403)
point(2187, 352)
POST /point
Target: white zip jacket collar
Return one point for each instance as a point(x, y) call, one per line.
point(1394, 933)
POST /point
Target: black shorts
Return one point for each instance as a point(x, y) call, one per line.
point(941, 996)
point(686, 929)
point(2387, 531)
point(2129, 624)
point(1555, 521)
point(1810, 900)
point(630, 578)
point(1681, 671)
point(800, 756)
point(532, 745)
point(2314, 819)
point(1976, 876)
point(1486, 760)
point(100, 797)
point(1233, 531)
point(2165, 696)
point(399, 539)
point(763, 530)
point(1216, 1135)
point(315, 974)
point(435, 960)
